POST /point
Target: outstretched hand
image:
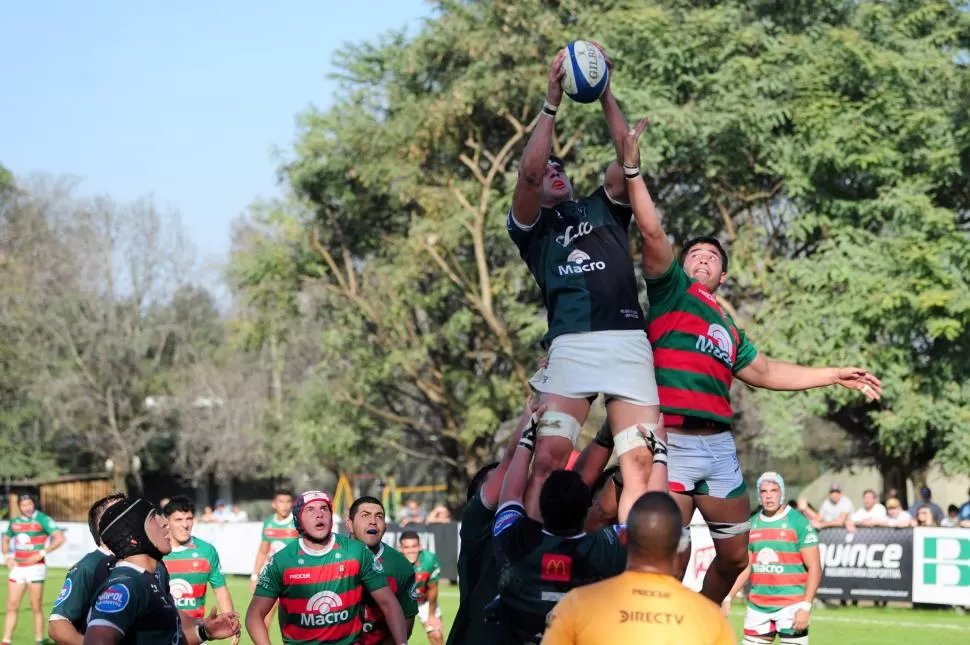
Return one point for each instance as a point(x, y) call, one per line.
point(220, 626)
point(631, 143)
point(556, 72)
point(856, 378)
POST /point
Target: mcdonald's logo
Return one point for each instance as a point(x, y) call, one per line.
point(556, 567)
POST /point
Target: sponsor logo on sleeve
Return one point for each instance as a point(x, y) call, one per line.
point(112, 600)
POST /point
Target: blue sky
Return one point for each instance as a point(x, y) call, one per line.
point(184, 101)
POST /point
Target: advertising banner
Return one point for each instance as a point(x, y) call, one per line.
point(869, 564)
point(941, 566)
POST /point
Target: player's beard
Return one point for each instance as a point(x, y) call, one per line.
point(322, 541)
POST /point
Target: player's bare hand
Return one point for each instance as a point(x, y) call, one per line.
point(800, 624)
point(11, 563)
point(556, 72)
point(544, 361)
point(220, 626)
point(599, 46)
point(856, 378)
point(631, 143)
point(433, 624)
point(726, 607)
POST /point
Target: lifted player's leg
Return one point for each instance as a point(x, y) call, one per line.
point(729, 520)
point(640, 446)
point(556, 436)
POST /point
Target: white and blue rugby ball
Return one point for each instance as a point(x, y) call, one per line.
point(586, 72)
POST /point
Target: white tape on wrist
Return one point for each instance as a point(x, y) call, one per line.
point(807, 606)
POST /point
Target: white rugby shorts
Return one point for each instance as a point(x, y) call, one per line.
point(761, 623)
point(28, 574)
point(618, 364)
point(424, 613)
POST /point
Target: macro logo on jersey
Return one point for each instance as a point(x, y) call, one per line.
point(580, 262)
point(556, 567)
point(717, 342)
point(113, 599)
point(179, 589)
point(767, 562)
point(64, 593)
point(324, 608)
point(573, 233)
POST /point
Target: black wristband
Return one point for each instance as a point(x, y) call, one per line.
point(200, 630)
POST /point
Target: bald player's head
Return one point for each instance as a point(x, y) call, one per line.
point(653, 529)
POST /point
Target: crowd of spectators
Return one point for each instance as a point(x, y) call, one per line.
point(838, 511)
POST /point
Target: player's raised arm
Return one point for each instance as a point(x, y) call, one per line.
point(526, 202)
point(513, 486)
point(493, 484)
point(658, 253)
point(614, 182)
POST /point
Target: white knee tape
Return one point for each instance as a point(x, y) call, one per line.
point(559, 424)
point(755, 640)
point(632, 438)
point(684, 543)
point(793, 640)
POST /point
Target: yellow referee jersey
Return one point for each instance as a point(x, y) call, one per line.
point(636, 607)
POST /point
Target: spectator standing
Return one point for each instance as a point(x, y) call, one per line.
point(412, 513)
point(872, 512)
point(926, 502)
point(897, 517)
point(952, 519)
point(965, 512)
point(835, 511)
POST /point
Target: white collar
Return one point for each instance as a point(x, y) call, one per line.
point(125, 563)
point(380, 550)
point(105, 550)
point(777, 516)
point(566, 537)
point(318, 551)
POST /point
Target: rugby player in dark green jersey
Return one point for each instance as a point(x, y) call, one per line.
point(366, 523)
point(539, 563)
point(698, 350)
point(68, 618)
point(133, 606)
point(578, 251)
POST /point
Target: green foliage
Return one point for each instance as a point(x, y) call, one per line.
point(827, 141)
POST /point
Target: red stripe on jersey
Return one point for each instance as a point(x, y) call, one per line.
point(778, 535)
point(694, 362)
point(280, 533)
point(323, 634)
point(774, 601)
point(681, 321)
point(198, 612)
point(23, 555)
point(348, 600)
point(193, 565)
point(779, 579)
point(711, 403)
point(26, 527)
point(198, 591)
point(422, 576)
point(321, 573)
point(701, 292)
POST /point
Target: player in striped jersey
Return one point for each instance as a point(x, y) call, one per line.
point(193, 564)
point(26, 543)
point(698, 350)
point(320, 581)
point(785, 570)
point(278, 532)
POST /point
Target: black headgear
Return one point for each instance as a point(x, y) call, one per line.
point(123, 530)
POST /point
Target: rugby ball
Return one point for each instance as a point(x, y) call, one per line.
point(586, 72)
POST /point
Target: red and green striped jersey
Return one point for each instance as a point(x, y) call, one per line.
point(778, 573)
point(321, 592)
point(400, 578)
point(427, 569)
point(28, 535)
point(697, 349)
point(279, 533)
point(191, 568)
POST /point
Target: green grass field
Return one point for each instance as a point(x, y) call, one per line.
point(840, 626)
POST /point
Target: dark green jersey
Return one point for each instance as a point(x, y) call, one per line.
point(400, 578)
point(83, 579)
point(321, 592)
point(134, 602)
point(477, 578)
point(537, 568)
point(579, 254)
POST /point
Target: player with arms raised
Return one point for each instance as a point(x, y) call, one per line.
point(698, 350)
point(785, 570)
point(320, 581)
point(367, 524)
point(579, 254)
